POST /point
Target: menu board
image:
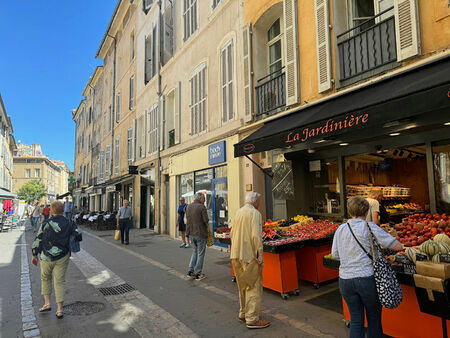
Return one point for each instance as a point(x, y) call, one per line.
point(283, 181)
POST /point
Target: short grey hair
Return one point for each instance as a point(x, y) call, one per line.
point(252, 197)
point(199, 195)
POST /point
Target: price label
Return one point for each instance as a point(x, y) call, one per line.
point(444, 258)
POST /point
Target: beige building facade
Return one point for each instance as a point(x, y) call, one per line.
point(7, 149)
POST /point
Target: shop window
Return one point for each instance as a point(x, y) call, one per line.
point(323, 187)
point(187, 187)
point(441, 164)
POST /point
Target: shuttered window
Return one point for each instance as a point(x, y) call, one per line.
point(189, 17)
point(248, 80)
point(407, 29)
point(323, 45)
point(227, 68)
point(118, 108)
point(198, 100)
point(153, 130)
point(291, 52)
point(148, 59)
point(167, 36)
point(132, 47)
point(108, 161)
point(131, 100)
point(104, 124)
point(130, 146)
point(111, 117)
point(102, 164)
point(117, 155)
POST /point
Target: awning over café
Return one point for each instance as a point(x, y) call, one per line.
point(423, 89)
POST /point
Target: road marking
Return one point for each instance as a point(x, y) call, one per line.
point(134, 309)
point(306, 328)
point(29, 324)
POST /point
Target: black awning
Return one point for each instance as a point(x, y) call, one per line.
point(416, 91)
point(60, 197)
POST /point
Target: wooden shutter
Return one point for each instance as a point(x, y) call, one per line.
point(133, 141)
point(407, 28)
point(145, 133)
point(168, 33)
point(323, 45)
point(291, 51)
point(162, 121)
point(248, 73)
point(148, 61)
point(177, 113)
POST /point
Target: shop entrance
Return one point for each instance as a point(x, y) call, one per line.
point(143, 215)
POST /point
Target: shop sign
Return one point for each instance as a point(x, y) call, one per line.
point(283, 181)
point(217, 153)
point(328, 128)
point(111, 188)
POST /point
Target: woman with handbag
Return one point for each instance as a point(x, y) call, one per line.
point(353, 244)
point(52, 244)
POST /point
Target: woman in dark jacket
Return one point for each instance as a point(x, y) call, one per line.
point(52, 246)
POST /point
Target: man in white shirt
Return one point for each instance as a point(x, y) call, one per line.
point(247, 260)
point(375, 196)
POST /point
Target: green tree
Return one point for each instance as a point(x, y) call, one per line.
point(32, 191)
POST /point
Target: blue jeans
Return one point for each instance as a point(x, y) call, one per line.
point(198, 255)
point(361, 294)
point(36, 222)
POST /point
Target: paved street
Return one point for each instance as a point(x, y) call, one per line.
point(153, 296)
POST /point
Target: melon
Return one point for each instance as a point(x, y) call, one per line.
point(444, 248)
point(436, 258)
point(430, 248)
point(442, 238)
point(411, 254)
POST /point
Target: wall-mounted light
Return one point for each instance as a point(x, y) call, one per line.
point(394, 134)
point(343, 144)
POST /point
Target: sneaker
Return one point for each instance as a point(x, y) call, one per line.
point(259, 324)
point(182, 245)
point(187, 246)
point(200, 276)
point(191, 274)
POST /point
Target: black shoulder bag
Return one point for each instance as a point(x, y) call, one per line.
point(389, 292)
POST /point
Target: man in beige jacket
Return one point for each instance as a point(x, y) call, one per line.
point(247, 260)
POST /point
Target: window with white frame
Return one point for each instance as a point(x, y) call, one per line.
point(117, 153)
point(274, 45)
point(140, 137)
point(37, 173)
point(189, 17)
point(108, 161)
point(27, 173)
point(153, 130)
point(131, 101)
point(227, 61)
point(118, 107)
point(198, 100)
point(130, 146)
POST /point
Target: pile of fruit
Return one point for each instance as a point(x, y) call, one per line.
point(222, 232)
point(418, 228)
point(312, 229)
point(431, 249)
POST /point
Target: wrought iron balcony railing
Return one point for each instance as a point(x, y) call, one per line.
point(271, 94)
point(363, 53)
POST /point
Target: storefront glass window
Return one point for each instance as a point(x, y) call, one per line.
point(323, 182)
point(441, 163)
point(187, 187)
point(203, 184)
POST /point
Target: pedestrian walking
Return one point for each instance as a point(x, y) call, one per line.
point(197, 230)
point(46, 212)
point(181, 223)
point(356, 280)
point(124, 222)
point(36, 216)
point(247, 260)
point(68, 208)
point(51, 247)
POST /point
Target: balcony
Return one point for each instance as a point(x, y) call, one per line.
point(270, 95)
point(371, 51)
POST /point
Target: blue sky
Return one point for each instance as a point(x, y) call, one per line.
point(47, 53)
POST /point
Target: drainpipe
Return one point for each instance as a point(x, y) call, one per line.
point(160, 115)
point(112, 106)
point(92, 134)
